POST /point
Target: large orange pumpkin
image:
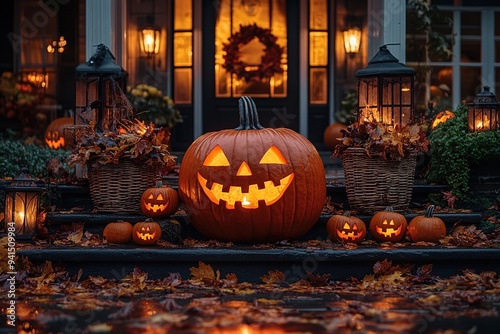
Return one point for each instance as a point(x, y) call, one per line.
point(159, 201)
point(54, 134)
point(252, 184)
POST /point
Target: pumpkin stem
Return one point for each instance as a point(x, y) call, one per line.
point(430, 211)
point(249, 119)
point(347, 213)
point(389, 209)
point(159, 184)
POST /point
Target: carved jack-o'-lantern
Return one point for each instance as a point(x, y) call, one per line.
point(146, 233)
point(252, 184)
point(159, 201)
point(388, 225)
point(346, 228)
point(54, 134)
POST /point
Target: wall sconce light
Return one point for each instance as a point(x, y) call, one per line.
point(386, 90)
point(22, 200)
point(352, 39)
point(483, 112)
point(149, 38)
point(352, 34)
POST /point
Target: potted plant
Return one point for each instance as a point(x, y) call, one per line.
point(150, 105)
point(121, 164)
point(379, 164)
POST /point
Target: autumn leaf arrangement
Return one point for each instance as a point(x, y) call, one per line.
point(133, 139)
point(388, 142)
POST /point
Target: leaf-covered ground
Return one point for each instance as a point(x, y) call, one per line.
point(391, 299)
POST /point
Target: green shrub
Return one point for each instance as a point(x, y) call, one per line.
point(14, 155)
point(454, 151)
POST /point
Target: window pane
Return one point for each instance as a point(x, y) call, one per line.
point(183, 15)
point(318, 19)
point(470, 23)
point(471, 82)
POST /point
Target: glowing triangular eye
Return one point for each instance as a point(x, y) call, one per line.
point(273, 156)
point(346, 226)
point(150, 196)
point(216, 158)
point(391, 222)
point(355, 226)
point(160, 197)
point(384, 222)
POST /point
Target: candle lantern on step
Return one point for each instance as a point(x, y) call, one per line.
point(100, 88)
point(22, 200)
point(483, 112)
point(385, 90)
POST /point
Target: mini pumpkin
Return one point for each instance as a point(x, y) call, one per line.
point(159, 201)
point(252, 184)
point(346, 228)
point(388, 226)
point(427, 227)
point(119, 232)
point(54, 134)
point(146, 233)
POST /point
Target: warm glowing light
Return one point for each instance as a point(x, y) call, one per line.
point(352, 40)
point(150, 41)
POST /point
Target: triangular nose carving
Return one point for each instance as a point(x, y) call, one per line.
point(244, 170)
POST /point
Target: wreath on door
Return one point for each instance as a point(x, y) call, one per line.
point(271, 60)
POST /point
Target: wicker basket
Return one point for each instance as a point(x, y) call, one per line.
point(118, 188)
point(372, 184)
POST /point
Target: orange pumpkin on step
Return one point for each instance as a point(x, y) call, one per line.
point(252, 184)
point(159, 201)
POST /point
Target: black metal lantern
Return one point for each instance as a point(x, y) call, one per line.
point(22, 200)
point(483, 112)
point(386, 90)
point(100, 90)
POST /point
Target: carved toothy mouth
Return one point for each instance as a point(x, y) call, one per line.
point(388, 232)
point(156, 207)
point(349, 235)
point(146, 236)
point(249, 200)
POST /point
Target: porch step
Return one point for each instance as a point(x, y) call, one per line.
point(250, 262)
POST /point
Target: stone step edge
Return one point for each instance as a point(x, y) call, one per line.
point(249, 264)
point(56, 218)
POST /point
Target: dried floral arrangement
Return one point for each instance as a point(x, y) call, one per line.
point(133, 139)
point(386, 141)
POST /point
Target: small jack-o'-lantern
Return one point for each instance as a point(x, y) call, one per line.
point(252, 184)
point(119, 232)
point(346, 228)
point(427, 227)
point(146, 233)
point(159, 201)
point(388, 225)
point(54, 134)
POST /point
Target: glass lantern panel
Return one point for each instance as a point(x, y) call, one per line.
point(368, 100)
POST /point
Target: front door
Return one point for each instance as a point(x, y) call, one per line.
point(250, 48)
